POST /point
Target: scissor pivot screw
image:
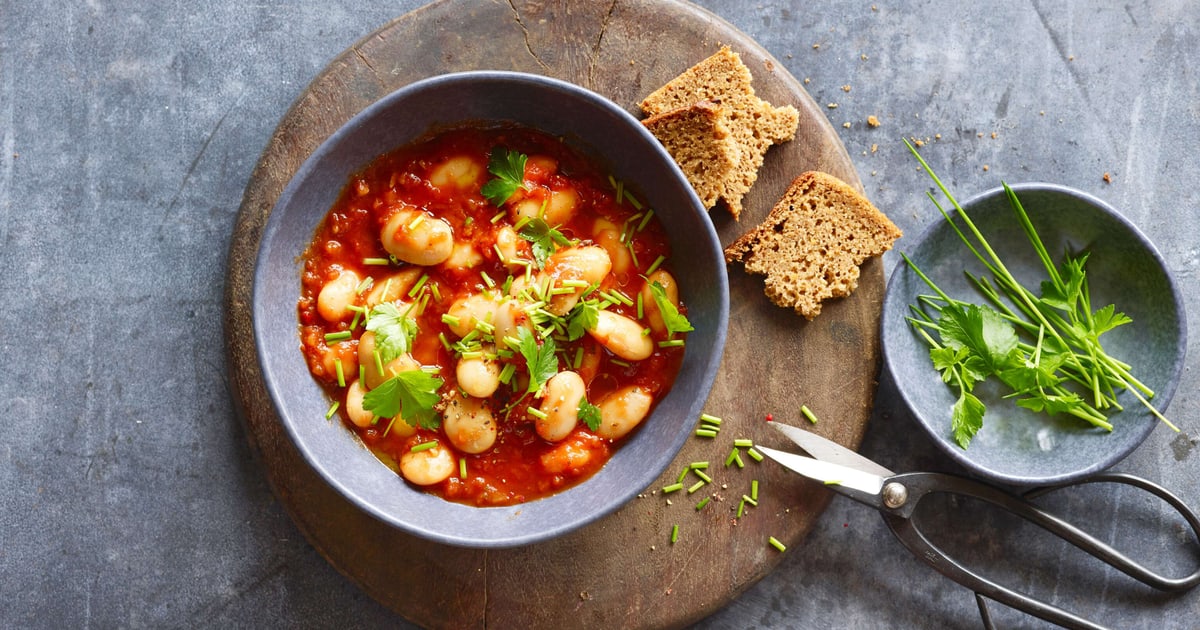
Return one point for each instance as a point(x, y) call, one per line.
point(895, 495)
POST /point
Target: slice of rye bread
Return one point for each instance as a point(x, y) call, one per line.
point(698, 138)
point(754, 123)
point(811, 244)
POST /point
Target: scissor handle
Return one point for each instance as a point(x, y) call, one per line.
point(916, 486)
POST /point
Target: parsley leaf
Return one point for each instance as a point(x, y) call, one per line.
point(982, 331)
point(509, 169)
point(411, 394)
point(394, 330)
point(589, 414)
point(543, 238)
point(585, 316)
point(966, 418)
point(539, 358)
point(672, 318)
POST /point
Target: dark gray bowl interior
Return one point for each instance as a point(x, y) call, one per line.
point(604, 131)
point(1016, 446)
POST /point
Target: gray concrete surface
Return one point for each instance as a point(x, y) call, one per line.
point(128, 494)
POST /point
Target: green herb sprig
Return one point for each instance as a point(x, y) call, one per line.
point(1062, 352)
point(509, 170)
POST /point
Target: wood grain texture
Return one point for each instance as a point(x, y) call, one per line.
point(620, 571)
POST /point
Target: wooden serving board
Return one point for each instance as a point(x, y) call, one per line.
point(621, 571)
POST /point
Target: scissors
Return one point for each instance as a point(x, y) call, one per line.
point(896, 497)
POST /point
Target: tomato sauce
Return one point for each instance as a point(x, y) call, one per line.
point(442, 178)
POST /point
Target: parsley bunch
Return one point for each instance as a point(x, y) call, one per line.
point(1060, 366)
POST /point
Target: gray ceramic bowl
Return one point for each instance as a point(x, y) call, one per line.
point(619, 143)
point(1016, 446)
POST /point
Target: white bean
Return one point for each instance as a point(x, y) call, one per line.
point(608, 235)
point(460, 171)
point(337, 296)
point(560, 406)
point(394, 287)
point(585, 265)
point(468, 310)
point(343, 351)
point(571, 454)
point(622, 336)
point(670, 289)
point(463, 257)
point(562, 206)
point(511, 248)
point(480, 376)
point(354, 405)
point(366, 358)
point(469, 424)
point(416, 237)
point(509, 317)
point(622, 410)
point(429, 466)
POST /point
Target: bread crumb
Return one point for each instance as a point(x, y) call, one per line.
point(845, 88)
point(1107, 178)
point(979, 135)
point(816, 46)
point(1042, 113)
point(807, 80)
point(1070, 57)
point(769, 65)
point(832, 106)
point(918, 142)
point(874, 8)
point(986, 167)
point(993, 135)
point(872, 121)
point(846, 125)
point(937, 136)
point(874, 148)
point(863, 56)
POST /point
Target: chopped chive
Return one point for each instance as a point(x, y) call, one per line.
point(354, 320)
point(737, 459)
point(708, 433)
point(499, 254)
point(741, 508)
point(750, 500)
point(698, 465)
point(376, 261)
point(472, 354)
point(833, 482)
point(632, 253)
point(388, 428)
point(378, 356)
point(671, 343)
point(506, 373)
point(415, 223)
point(484, 327)
point(621, 297)
point(700, 474)
point(776, 544)
point(366, 283)
point(620, 191)
point(743, 443)
point(536, 413)
point(732, 455)
point(496, 217)
point(754, 489)
point(578, 358)
point(576, 284)
point(640, 309)
point(341, 375)
point(362, 373)
point(645, 220)
point(755, 454)
point(507, 286)
point(462, 467)
point(445, 342)
point(468, 221)
point(337, 336)
point(488, 280)
point(619, 362)
point(674, 533)
point(682, 474)
point(451, 320)
point(633, 200)
point(419, 285)
point(696, 486)
point(703, 502)
point(812, 417)
point(437, 293)
point(646, 331)
point(656, 264)
point(672, 488)
point(332, 409)
point(423, 446)
point(711, 419)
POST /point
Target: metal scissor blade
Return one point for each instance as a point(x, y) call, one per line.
point(827, 472)
point(829, 451)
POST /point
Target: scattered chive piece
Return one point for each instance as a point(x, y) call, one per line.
point(437, 294)
point(640, 309)
point(703, 502)
point(741, 508)
point(755, 454)
point(341, 375)
point(708, 433)
point(654, 265)
point(833, 482)
point(419, 285)
point(698, 465)
point(750, 500)
point(376, 261)
point(645, 220)
point(633, 200)
point(332, 409)
point(812, 417)
point(488, 280)
point(683, 473)
point(506, 373)
point(578, 358)
point(445, 342)
point(423, 446)
point(536, 413)
point(450, 320)
point(776, 544)
point(618, 362)
point(645, 331)
point(732, 455)
point(362, 373)
point(674, 533)
point(412, 225)
point(367, 283)
point(354, 320)
point(388, 428)
point(378, 361)
point(754, 489)
point(672, 488)
point(743, 443)
point(696, 486)
point(671, 343)
point(462, 467)
point(337, 336)
point(700, 474)
point(710, 419)
point(737, 459)
point(499, 215)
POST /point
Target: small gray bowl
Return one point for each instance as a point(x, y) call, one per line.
point(1016, 446)
point(619, 143)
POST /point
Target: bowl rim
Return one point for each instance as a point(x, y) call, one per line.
point(706, 368)
point(1163, 395)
